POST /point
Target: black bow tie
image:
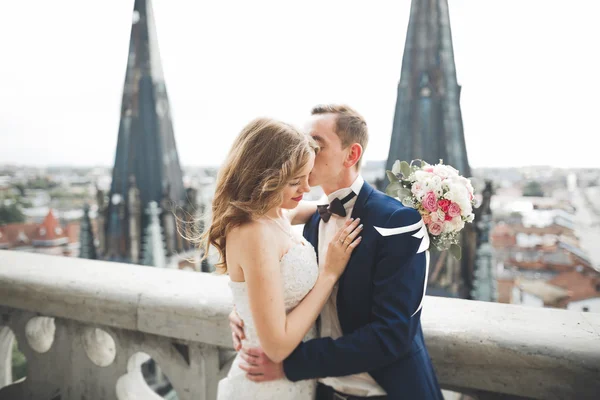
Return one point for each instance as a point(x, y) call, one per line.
point(336, 207)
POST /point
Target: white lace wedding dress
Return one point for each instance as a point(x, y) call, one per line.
point(299, 271)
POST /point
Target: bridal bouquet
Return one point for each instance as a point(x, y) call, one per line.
point(442, 196)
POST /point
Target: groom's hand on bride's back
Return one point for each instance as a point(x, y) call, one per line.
point(237, 330)
point(259, 367)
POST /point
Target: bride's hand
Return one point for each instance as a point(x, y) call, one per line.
point(341, 247)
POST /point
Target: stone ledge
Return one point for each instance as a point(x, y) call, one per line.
point(534, 352)
point(179, 304)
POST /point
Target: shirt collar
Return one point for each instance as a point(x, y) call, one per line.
point(341, 193)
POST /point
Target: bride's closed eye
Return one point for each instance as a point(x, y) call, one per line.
point(294, 183)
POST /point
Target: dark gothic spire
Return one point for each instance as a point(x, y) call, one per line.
point(86, 236)
point(428, 121)
point(146, 145)
point(428, 125)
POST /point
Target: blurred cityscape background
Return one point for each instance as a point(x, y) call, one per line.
point(85, 173)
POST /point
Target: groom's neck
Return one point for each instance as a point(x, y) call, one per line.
point(344, 180)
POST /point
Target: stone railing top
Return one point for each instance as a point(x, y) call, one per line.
point(178, 304)
point(536, 352)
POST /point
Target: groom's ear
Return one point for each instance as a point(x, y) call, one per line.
point(355, 150)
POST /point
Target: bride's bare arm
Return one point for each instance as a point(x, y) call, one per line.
point(303, 212)
point(278, 333)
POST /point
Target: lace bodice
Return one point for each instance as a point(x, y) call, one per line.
point(299, 272)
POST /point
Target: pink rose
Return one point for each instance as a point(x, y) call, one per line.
point(435, 228)
point(430, 202)
point(447, 217)
point(428, 168)
point(444, 204)
point(454, 210)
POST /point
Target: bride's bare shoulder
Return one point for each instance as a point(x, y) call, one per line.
point(250, 232)
point(252, 242)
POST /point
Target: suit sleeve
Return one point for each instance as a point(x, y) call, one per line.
point(398, 287)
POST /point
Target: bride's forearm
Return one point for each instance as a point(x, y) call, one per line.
point(301, 319)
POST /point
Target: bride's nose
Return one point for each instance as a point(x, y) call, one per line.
point(305, 187)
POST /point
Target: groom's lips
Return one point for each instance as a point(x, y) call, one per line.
point(297, 198)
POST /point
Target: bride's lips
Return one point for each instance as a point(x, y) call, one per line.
point(297, 198)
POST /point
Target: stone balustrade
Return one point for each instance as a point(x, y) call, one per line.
point(86, 327)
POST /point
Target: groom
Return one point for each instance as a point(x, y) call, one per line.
point(371, 344)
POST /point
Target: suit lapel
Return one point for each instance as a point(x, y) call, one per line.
point(357, 212)
point(361, 200)
point(311, 232)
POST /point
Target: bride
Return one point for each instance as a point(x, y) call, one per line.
point(278, 286)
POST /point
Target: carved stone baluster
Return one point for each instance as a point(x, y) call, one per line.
point(7, 339)
point(132, 385)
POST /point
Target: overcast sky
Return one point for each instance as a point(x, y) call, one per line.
point(529, 72)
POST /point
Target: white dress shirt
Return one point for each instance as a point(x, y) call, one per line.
point(359, 384)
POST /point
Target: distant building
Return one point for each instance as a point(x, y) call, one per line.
point(583, 286)
point(541, 263)
point(47, 237)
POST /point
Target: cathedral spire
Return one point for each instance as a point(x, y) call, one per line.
point(86, 236)
point(428, 125)
point(428, 121)
point(146, 147)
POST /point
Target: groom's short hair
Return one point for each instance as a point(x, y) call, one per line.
point(350, 126)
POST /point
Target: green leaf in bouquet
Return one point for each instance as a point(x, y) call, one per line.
point(405, 168)
point(393, 188)
point(404, 192)
point(396, 167)
point(391, 177)
point(456, 251)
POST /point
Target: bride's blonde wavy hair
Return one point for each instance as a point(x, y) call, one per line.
point(265, 156)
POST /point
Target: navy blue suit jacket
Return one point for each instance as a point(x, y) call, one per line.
point(378, 294)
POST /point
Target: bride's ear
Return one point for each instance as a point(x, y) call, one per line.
point(355, 150)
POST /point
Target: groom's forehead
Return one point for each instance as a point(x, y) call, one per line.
point(320, 124)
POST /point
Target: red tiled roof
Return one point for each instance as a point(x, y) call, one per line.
point(18, 234)
point(581, 285)
point(49, 229)
point(24, 234)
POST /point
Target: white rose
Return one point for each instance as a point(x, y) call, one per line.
point(458, 223)
point(448, 227)
point(440, 215)
point(466, 210)
point(441, 171)
point(434, 184)
point(452, 171)
point(418, 190)
point(421, 175)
